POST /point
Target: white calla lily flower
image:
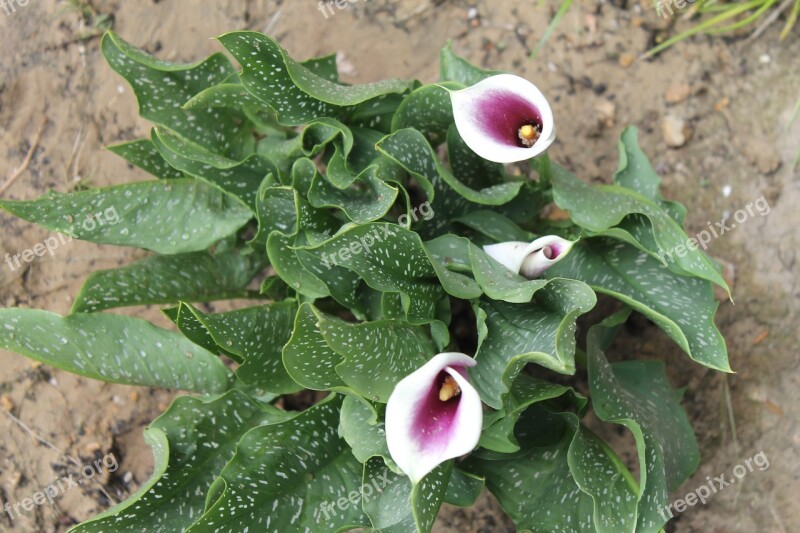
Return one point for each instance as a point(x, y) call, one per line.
point(433, 414)
point(530, 260)
point(504, 118)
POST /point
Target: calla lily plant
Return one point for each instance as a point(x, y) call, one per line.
point(412, 370)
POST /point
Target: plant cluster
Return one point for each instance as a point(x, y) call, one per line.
point(439, 336)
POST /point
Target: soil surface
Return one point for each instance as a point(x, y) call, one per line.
point(713, 114)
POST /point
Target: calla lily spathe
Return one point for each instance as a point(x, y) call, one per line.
point(504, 118)
point(433, 414)
point(530, 260)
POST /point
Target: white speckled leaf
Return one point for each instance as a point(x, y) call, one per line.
point(410, 149)
point(599, 208)
point(296, 93)
point(495, 226)
point(456, 68)
point(471, 169)
point(143, 154)
point(187, 322)
point(428, 110)
point(498, 433)
point(162, 88)
point(367, 199)
point(191, 442)
point(377, 355)
point(397, 507)
point(112, 348)
point(307, 356)
point(535, 487)
point(600, 473)
point(360, 427)
point(464, 488)
point(449, 255)
point(241, 179)
point(512, 335)
point(193, 277)
point(636, 173)
point(166, 216)
point(637, 395)
point(256, 337)
point(283, 474)
point(395, 262)
point(683, 307)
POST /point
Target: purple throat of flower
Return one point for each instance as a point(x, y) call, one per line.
point(435, 420)
point(510, 119)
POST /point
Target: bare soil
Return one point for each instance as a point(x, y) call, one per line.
point(734, 98)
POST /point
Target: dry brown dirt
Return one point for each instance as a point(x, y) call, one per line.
point(735, 97)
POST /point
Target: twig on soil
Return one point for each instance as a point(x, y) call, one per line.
point(53, 447)
point(728, 406)
point(772, 17)
point(25, 162)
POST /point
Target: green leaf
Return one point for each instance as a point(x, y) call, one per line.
point(307, 357)
point(600, 473)
point(191, 444)
point(112, 348)
point(495, 226)
point(162, 88)
point(683, 307)
point(166, 216)
point(455, 68)
point(288, 477)
point(410, 150)
point(525, 391)
point(449, 256)
point(360, 427)
point(536, 488)
point(193, 277)
point(376, 355)
point(428, 110)
point(143, 154)
point(399, 507)
point(564, 478)
point(242, 179)
point(297, 94)
point(637, 395)
point(369, 358)
point(512, 335)
point(256, 337)
point(389, 259)
point(636, 173)
point(464, 488)
point(599, 208)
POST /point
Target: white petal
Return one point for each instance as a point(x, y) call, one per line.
point(416, 450)
point(530, 259)
point(488, 116)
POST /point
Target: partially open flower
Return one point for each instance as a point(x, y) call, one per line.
point(433, 414)
point(530, 259)
point(504, 118)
